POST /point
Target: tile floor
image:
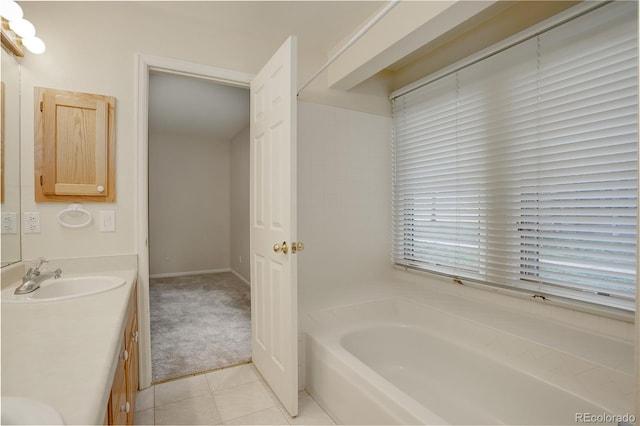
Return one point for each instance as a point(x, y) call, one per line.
point(231, 396)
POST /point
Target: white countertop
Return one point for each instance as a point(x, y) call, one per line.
point(64, 353)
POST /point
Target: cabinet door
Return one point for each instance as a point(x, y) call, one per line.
point(118, 400)
point(74, 145)
point(132, 369)
point(131, 366)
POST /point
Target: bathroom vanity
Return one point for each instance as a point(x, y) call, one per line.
point(78, 355)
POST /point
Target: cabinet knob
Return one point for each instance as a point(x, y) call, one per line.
point(126, 407)
point(135, 336)
point(100, 188)
point(125, 355)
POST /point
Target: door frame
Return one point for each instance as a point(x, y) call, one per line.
point(146, 64)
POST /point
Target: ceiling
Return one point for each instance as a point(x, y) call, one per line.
point(202, 108)
point(318, 25)
point(196, 107)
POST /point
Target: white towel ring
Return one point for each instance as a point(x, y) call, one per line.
point(71, 210)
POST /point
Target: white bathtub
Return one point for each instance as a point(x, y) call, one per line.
point(398, 362)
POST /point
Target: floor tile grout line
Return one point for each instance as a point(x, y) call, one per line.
point(257, 377)
point(321, 407)
point(153, 404)
point(215, 406)
point(182, 399)
point(211, 391)
point(234, 386)
point(251, 414)
point(220, 422)
point(213, 397)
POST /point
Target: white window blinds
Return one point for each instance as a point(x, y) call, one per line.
point(521, 170)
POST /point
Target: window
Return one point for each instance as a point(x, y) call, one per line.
point(521, 170)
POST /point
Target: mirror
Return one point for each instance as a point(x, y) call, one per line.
point(10, 157)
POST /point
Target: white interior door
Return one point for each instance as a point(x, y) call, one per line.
point(274, 310)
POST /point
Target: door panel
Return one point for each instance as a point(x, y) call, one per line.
point(273, 221)
point(258, 316)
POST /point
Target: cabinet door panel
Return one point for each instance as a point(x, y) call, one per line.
point(125, 382)
point(119, 414)
point(74, 144)
point(118, 391)
point(132, 369)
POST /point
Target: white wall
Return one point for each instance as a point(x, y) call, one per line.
point(344, 157)
point(92, 47)
point(188, 204)
point(344, 214)
point(10, 154)
point(239, 206)
point(344, 198)
point(344, 189)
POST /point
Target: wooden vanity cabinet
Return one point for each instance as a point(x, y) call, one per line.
point(131, 364)
point(118, 401)
point(125, 381)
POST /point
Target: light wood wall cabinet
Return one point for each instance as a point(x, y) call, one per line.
point(74, 146)
point(125, 380)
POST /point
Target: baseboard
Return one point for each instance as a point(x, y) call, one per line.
point(181, 274)
point(243, 279)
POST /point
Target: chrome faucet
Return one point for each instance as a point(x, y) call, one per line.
point(31, 281)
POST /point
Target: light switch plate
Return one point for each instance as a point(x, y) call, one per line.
point(107, 221)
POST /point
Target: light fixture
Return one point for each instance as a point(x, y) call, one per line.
point(34, 45)
point(23, 28)
point(10, 10)
point(17, 31)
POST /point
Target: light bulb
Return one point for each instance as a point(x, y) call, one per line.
point(23, 28)
point(10, 10)
point(34, 45)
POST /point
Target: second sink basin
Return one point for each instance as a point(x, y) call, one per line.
point(66, 288)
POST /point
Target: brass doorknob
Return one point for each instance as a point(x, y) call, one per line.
point(296, 246)
point(281, 248)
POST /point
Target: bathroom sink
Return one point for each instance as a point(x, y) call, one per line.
point(27, 411)
point(65, 288)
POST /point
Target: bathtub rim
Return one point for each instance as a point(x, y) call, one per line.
point(328, 340)
point(329, 325)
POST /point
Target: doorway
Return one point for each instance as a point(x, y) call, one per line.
point(234, 272)
point(199, 302)
point(274, 85)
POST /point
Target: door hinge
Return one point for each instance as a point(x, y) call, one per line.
point(41, 180)
point(41, 106)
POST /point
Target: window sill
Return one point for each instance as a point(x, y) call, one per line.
point(611, 322)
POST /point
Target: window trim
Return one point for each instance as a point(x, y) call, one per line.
point(546, 25)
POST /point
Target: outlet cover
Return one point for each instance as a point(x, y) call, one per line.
point(31, 223)
point(9, 223)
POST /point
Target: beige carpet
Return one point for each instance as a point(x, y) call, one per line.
point(198, 323)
